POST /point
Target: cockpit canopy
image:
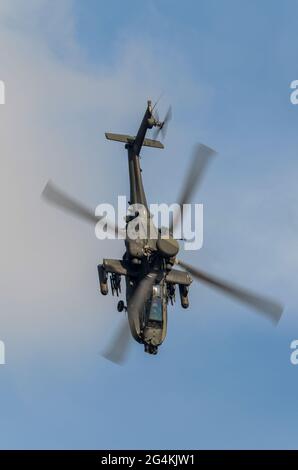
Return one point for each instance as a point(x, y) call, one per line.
point(154, 306)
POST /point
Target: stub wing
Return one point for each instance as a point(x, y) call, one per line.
point(128, 139)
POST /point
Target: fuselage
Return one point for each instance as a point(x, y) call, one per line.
point(149, 325)
point(148, 261)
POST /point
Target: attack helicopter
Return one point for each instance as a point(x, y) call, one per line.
point(149, 264)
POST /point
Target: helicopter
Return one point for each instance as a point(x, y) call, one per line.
point(149, 263)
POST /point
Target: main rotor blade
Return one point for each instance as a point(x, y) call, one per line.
point(118, 348)
point(202, 156)
point(60, 199)
point(55, 196)
point(273, 310)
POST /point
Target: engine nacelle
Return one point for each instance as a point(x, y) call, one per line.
point(135, 248)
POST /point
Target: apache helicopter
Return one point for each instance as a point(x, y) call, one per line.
point(148, 263)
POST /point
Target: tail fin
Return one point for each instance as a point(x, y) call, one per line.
point(128, 139)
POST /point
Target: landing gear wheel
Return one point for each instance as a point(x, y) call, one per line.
point(120, 306)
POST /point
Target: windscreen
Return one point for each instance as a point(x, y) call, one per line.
point(155, 313)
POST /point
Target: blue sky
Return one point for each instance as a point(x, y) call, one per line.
point(223, 378)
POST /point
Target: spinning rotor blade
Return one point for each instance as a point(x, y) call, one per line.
point(271, 309)
point(158, 100)
point(201, 157)
point(118, 348)
point(60, 199)
point(163, 125)
point(166, 121)
point(156, 132)
point(55, 196)
point(156, 117)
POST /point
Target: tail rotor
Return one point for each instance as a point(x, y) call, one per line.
point(162, 126)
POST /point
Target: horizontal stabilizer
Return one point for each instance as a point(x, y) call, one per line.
point(128, 139)
point(153, 143)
